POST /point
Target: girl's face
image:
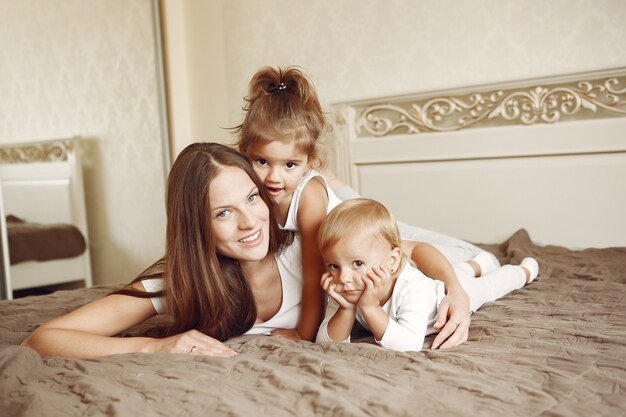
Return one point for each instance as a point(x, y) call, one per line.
point(239, 217)
point(281, 166)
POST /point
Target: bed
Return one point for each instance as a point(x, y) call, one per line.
point(555, 347)
point(43, 224)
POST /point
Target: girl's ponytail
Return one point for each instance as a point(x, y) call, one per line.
point(282, 104)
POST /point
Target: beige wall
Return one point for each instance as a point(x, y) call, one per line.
point(367, 48)
point(193, 35)
point(87, 68)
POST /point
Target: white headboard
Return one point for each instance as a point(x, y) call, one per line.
point(41, 182)
point(479, 163)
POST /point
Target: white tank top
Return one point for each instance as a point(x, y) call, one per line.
point(291, 223)
point(290, 269)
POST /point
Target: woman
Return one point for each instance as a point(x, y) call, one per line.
point(228, 270)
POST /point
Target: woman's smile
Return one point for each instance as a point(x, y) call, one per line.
point(253, 239)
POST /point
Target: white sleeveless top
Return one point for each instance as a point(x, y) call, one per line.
point(291, 223)
point(290, 268)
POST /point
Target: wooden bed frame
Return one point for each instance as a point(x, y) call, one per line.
point(42, 183)
point(480, 162)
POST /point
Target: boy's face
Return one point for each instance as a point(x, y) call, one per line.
point(281, 166)
point(350, 258)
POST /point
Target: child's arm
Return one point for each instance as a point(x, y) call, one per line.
point(415, 302)
point(377, 283)
point(311, 213)
point(453, 311)
point(339, 317)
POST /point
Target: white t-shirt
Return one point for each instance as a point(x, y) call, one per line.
point(412, 311)
point(290, 268)
point(291, 223)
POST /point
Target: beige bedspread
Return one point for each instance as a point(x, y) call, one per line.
point(556, 347)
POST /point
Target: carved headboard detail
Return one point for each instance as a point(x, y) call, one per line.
point(549, 100)
point(458, 160)
point(44, 151)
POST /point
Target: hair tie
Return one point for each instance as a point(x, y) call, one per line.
point(280, 88)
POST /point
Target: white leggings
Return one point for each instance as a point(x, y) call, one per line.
point(491, 286)
point(455, 250)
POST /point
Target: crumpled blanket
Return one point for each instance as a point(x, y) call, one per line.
point(556, 347)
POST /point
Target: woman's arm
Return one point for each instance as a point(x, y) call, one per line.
point(453, 318)
point(89, 332)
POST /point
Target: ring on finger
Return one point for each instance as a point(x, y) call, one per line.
point(193, 349)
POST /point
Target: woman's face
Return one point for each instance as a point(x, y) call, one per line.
point(239, 217)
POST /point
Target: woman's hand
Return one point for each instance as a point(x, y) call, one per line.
point(329, 287)
point(453, 311)
point(192, 342)
point(453, 319)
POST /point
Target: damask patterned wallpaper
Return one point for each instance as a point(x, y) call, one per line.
point(87, 68)
point(368, 48)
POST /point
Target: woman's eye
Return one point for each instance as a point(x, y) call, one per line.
point(223, 213)
point(253, 197)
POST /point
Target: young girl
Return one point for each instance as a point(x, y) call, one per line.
point(281, 134)
point(369, 280)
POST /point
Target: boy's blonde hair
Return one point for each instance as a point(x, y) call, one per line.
point(360, 215)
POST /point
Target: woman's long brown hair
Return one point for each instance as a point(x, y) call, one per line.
point(282, 104)
point(203, 289)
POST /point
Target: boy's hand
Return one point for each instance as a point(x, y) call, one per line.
point(329, 287)
point(377, 284)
